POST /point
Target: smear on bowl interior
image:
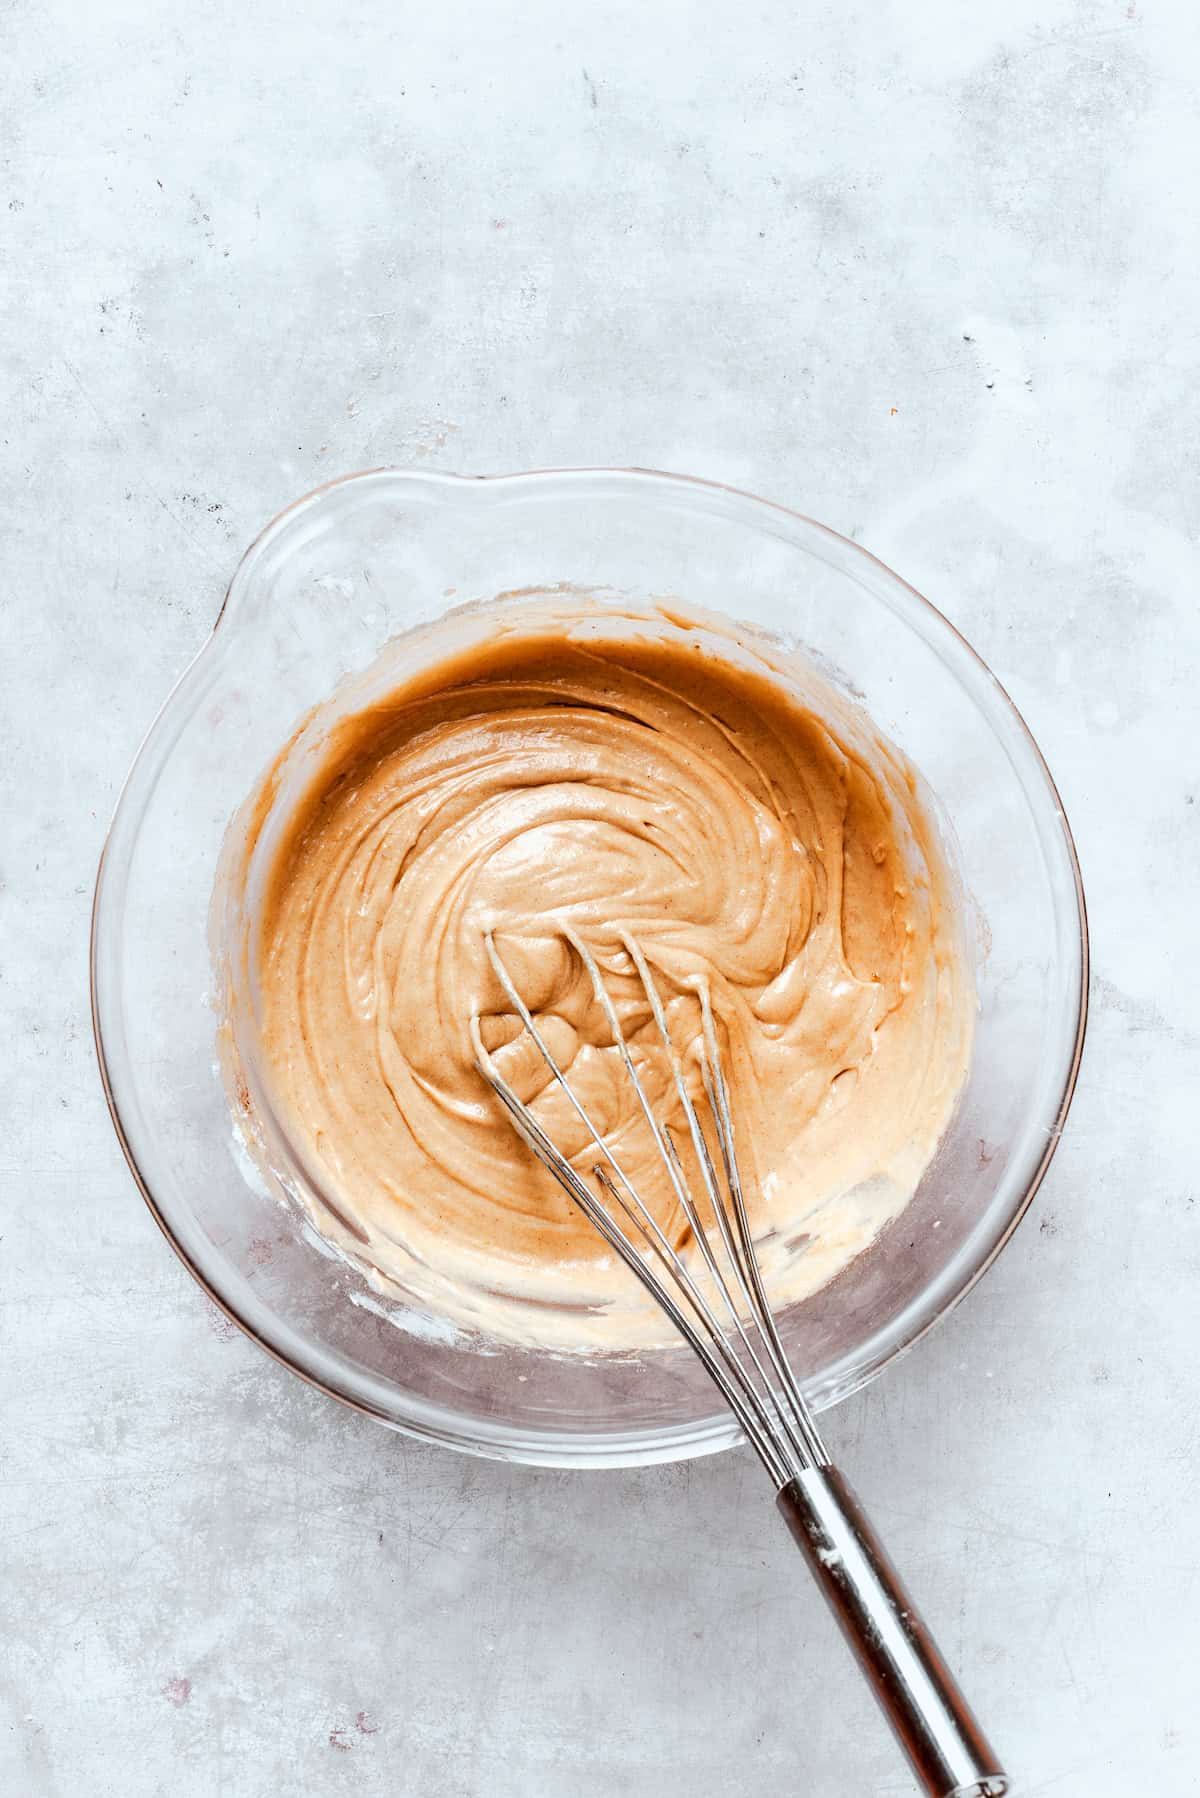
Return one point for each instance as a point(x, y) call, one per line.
point(541, 765)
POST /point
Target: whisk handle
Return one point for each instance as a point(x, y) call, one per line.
point(949, 1753)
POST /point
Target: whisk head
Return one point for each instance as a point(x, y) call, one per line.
point(715, 1298)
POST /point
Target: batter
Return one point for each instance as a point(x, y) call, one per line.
point(655, 775)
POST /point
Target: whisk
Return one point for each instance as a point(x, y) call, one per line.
point(717, 1301)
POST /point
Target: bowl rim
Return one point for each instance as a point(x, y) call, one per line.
point(577, 1450)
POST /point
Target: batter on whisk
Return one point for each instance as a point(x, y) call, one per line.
point(594, 772)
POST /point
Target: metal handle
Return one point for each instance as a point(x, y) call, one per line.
point(949, 1752)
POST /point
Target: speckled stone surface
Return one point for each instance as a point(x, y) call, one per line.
point(927, 272)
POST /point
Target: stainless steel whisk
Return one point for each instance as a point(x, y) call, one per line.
point(720, 1308)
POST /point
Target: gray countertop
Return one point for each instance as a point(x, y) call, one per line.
point(929, 274)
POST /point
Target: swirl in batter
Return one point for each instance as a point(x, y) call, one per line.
point(656, 776)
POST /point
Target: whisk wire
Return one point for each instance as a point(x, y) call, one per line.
point(665, 1143)
point(660, 1244)
point(757, 1384)
point(720, 1368)
point(722, 1115)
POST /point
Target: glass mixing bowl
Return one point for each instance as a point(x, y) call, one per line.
point(326, 585)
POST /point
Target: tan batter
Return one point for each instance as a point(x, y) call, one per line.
point(659, 778)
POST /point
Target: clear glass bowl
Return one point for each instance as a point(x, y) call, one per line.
point(316, 597)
